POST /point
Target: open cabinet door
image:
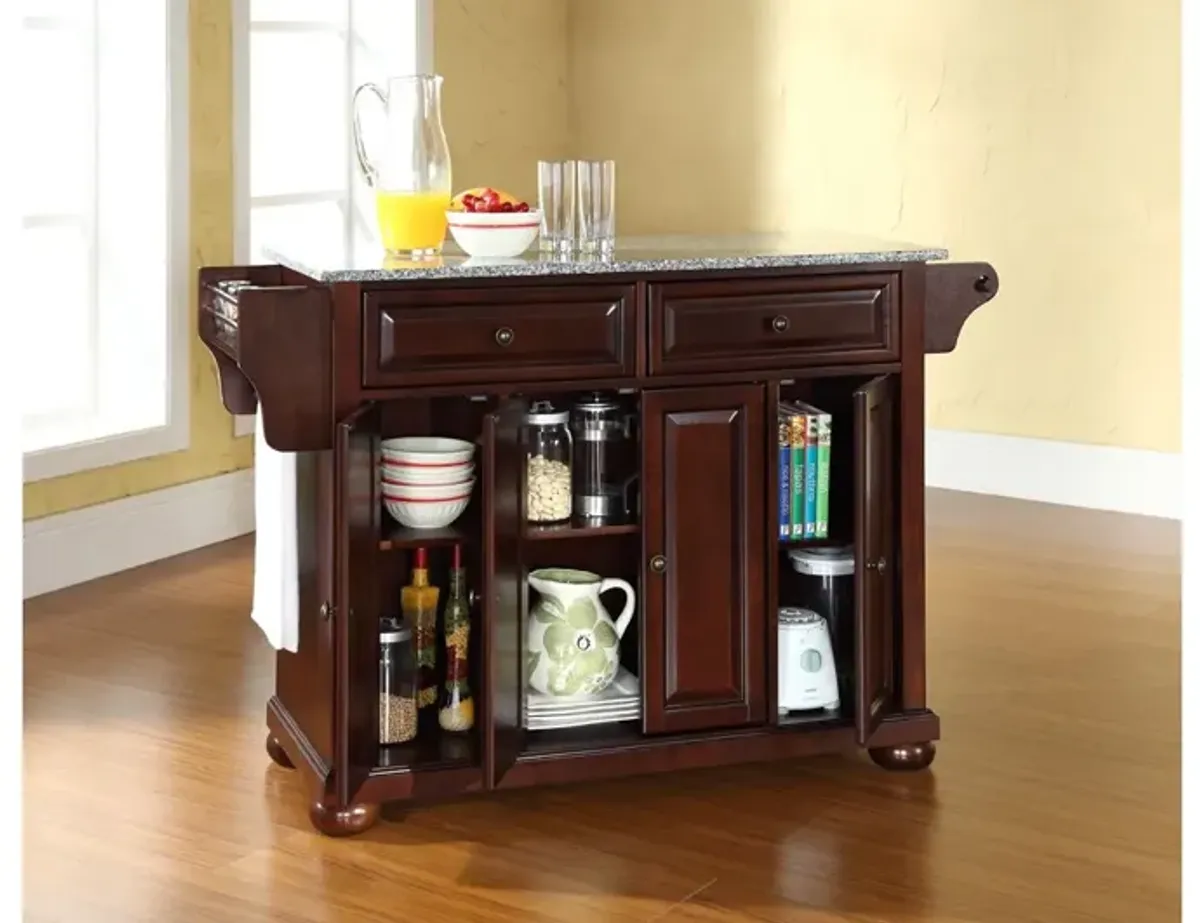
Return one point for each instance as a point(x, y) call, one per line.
point(874, 564)
point(356, 613)
point(502, 622)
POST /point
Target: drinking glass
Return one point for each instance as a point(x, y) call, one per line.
point(556, 201)
point(596, 181)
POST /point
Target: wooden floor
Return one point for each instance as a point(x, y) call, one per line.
point(1054, 662)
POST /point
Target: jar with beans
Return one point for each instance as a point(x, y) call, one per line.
point(547, 463)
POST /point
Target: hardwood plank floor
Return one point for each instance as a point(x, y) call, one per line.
point(1054, 663)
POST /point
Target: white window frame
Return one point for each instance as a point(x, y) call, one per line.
point(243, 202)
point(175, 434)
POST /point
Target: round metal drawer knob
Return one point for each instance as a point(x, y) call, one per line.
point(505, 336)
point(780, 324)
point(658, 564)
point(879, 565)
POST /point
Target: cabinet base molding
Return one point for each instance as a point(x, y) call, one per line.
point(277, 754)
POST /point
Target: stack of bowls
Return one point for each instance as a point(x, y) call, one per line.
point(426, 481)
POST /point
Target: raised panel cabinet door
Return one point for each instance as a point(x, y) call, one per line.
point(356, 610)
point(704, 536)
point(874, 560)
point(502, 642)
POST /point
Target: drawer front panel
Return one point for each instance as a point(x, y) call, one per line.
point(772, 323)
point(443, 336)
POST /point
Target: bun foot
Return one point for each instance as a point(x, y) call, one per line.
point(904, 757)
point(347, 821)
point(277, 754)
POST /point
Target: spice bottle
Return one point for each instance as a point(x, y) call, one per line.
point(457, 712)
point(419, 603)
point(397, 683)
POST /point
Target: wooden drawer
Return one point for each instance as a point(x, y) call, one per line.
point(772, 323)
point(448, 335)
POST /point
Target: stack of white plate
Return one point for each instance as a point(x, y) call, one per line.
point(622, 701)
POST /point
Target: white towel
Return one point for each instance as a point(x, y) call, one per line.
point(276, 606)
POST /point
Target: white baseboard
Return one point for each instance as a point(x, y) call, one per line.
point(81, 545)
point(1068, 473)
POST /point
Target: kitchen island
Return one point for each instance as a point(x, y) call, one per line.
point(706, 339)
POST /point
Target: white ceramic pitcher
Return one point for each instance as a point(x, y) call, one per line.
point(572, 646)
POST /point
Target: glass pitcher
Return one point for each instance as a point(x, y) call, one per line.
point(411, 178)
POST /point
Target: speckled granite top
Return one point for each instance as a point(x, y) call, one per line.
point(632, 255)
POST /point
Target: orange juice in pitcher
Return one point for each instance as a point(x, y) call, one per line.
point(412, 221)
point(411, 177)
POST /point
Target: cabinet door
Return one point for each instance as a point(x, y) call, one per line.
point(874, 564)
point(356, 610)
point(704, 534)
point(503, 598)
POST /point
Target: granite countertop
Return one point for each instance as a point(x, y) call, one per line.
point(632, 255)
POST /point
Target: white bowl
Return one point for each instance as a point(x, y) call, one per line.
point(426, 514)
point(409, 474)
point(426, 491)
point(500, 235)
point(426, 451)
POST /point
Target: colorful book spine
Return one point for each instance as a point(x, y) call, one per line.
point(824, 446)
point(810, 474)
point(818, 444)
point(785, 474)
point(799, 433)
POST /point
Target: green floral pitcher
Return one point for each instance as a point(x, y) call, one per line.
point(572, 645)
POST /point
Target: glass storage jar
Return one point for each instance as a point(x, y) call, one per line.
point(548, 449)
point(397, 683)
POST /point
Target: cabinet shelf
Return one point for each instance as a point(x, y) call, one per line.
point(398, 537)
point(582, 739)
point(431, 750)
point(563, 530)
point(816, 719)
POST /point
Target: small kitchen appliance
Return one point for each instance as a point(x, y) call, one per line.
point(605, 474)
point(807, 670)
point(823, 582)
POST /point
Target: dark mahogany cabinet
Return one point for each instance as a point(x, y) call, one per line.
point(704, 357)
point(704, 534)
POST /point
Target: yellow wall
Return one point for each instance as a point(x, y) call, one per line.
point(505, 96)
point(1040, 136)
point(214, 450)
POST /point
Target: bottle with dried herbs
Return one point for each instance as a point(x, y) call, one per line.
point(419, 603)
point(457, 711)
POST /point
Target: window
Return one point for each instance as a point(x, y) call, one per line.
point(296, 66)
point(103, 209)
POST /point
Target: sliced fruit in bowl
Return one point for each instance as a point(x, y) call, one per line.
point(492, 224)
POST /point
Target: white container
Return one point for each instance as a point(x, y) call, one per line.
point(427, 451)
point(427, 491)
point(807, 671)
point(426, 514)
point(494, 235)
point(411, 474)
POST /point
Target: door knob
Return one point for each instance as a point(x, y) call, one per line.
point(505, 336)
point(658, 564)
point(879, 564)
point(780, 324)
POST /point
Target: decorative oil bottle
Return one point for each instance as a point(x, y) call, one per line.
point(419, 603)
point(457, 712)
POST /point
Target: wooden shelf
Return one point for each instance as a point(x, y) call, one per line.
point(815, 719)
point(464, 530)
point(431, 749)
point(596, 737)
point(813, 542)
point(563, 530)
